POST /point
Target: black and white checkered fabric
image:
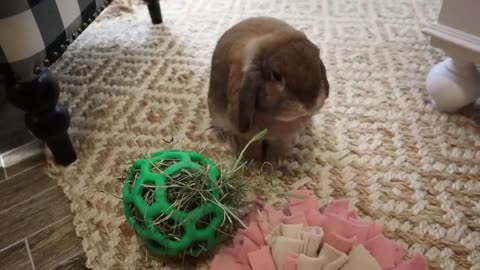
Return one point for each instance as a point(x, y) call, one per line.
point(35, 33)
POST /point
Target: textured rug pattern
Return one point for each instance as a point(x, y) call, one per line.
point(378, 141)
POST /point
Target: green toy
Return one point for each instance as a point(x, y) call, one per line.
point(166, 211)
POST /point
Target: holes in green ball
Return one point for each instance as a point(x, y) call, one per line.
point(198, 247)
point(163, 164)
point(200, 162)
point(183, 200)
point(133, 180)
point(137, 216)
point(148, 192)
point(170, 228)
point(204, 221)
point(188, 189)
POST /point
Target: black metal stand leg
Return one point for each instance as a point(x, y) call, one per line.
point(155, 11)
point(47, 119)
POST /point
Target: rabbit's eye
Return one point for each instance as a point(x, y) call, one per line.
point(276, 76)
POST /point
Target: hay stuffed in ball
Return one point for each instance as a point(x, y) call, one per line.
point(176, 202)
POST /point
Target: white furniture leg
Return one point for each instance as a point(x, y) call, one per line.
point(453, 84)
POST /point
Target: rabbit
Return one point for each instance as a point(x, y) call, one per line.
point(265, 74)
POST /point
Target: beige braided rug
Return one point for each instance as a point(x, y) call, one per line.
point(378, 141)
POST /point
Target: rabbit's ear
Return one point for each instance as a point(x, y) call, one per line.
point(252, 83)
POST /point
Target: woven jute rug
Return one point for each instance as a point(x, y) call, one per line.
point(132, 87)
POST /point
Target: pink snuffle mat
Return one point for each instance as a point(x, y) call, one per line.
point(303, 237)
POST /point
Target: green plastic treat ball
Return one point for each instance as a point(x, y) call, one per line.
point(164, 226)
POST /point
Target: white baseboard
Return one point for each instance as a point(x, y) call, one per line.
point(454, 42)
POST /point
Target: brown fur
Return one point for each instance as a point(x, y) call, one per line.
point(263, 72)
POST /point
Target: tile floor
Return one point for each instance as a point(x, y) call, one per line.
point(36, 230)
